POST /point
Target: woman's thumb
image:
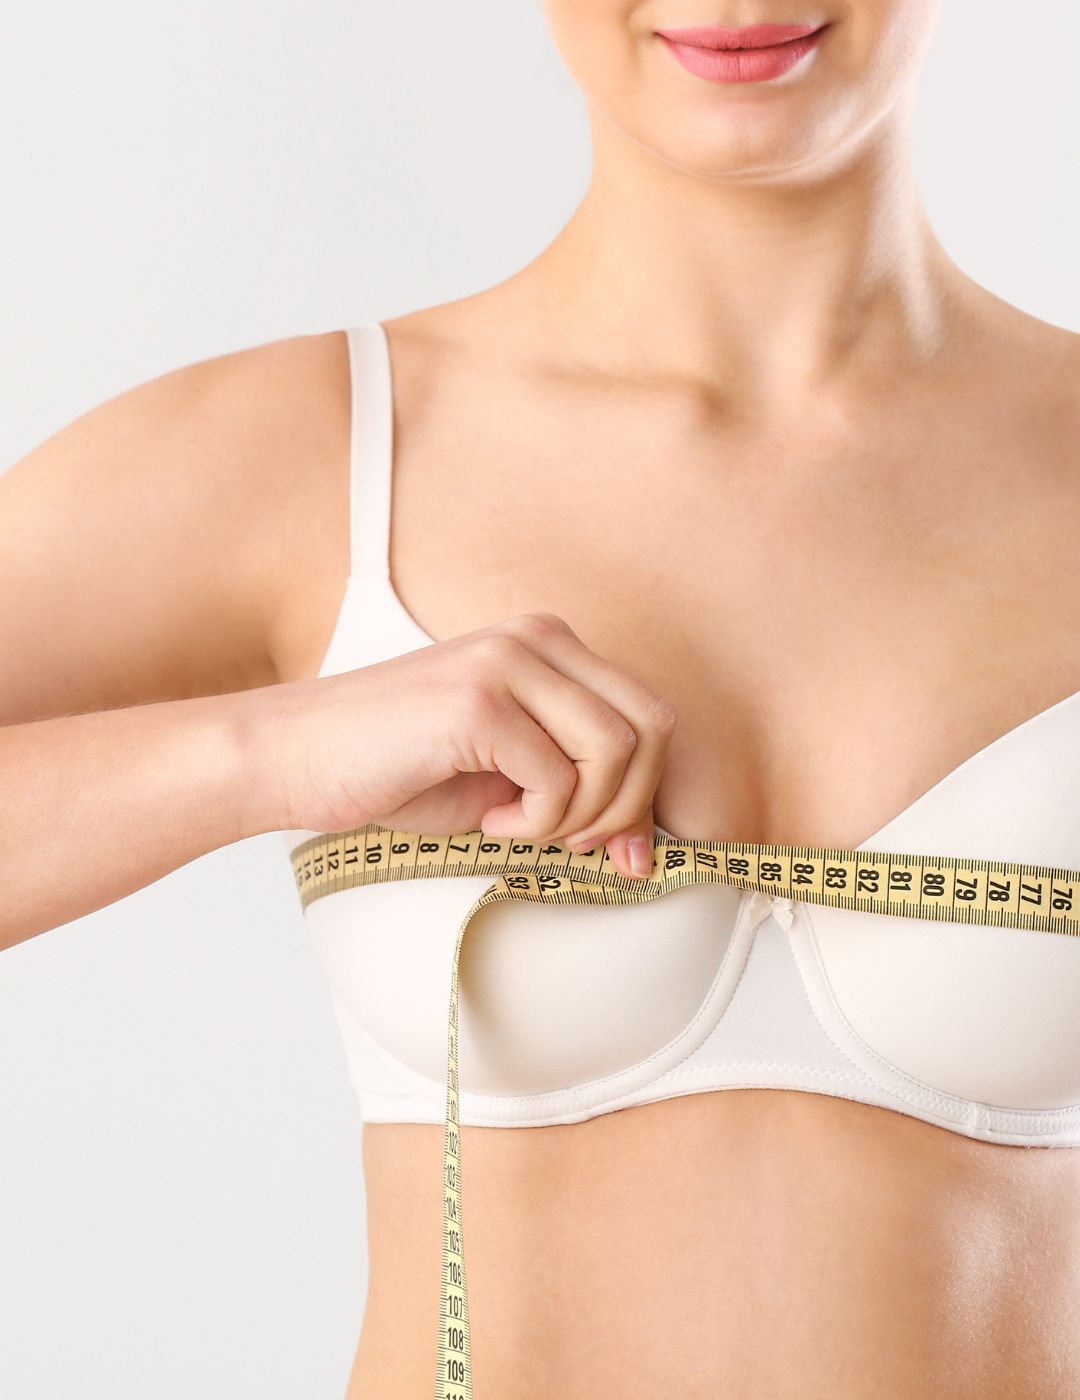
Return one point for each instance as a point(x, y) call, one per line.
point(632, 850)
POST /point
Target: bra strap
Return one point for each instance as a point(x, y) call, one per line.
point(370, 449)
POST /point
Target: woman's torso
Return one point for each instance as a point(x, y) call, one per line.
point(841, 613)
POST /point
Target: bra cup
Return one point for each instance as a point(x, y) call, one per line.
point(563, 995)
point(550, 997)
point(985, 1013)
point(990, 1015)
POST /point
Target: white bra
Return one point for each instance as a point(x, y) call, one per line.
point(569, 1012)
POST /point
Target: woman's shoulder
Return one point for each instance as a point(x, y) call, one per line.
point(1019, 374)
point(1047, 351)
point(276, 415)
point(148, 540)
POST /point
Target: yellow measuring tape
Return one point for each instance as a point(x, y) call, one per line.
point(1036, 897)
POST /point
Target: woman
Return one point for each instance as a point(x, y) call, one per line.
point(741, 446)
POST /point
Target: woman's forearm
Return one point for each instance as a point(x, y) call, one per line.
point(95, 806)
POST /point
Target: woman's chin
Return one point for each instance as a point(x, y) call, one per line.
point(764, 149)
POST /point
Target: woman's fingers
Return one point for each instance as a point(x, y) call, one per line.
point(614, 731)
point(560, 742)
point(631, 850)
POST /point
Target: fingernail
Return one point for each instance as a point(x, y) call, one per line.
point(641, 857)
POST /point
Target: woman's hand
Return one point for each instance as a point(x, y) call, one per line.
point(517, 729)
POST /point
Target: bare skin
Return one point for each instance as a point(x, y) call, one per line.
point(751, 1244)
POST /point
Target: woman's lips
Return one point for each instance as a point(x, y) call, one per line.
point(751, 53)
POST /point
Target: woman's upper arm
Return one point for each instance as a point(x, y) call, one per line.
point(149, 547)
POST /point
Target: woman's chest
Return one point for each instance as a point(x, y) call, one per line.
point(841, 607)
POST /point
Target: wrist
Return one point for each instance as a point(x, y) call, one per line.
point(252, 743)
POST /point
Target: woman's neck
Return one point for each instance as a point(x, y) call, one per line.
point(760, 289)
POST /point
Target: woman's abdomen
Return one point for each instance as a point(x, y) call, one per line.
point(747, 1243)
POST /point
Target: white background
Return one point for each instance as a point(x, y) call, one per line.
point(181, 1206)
